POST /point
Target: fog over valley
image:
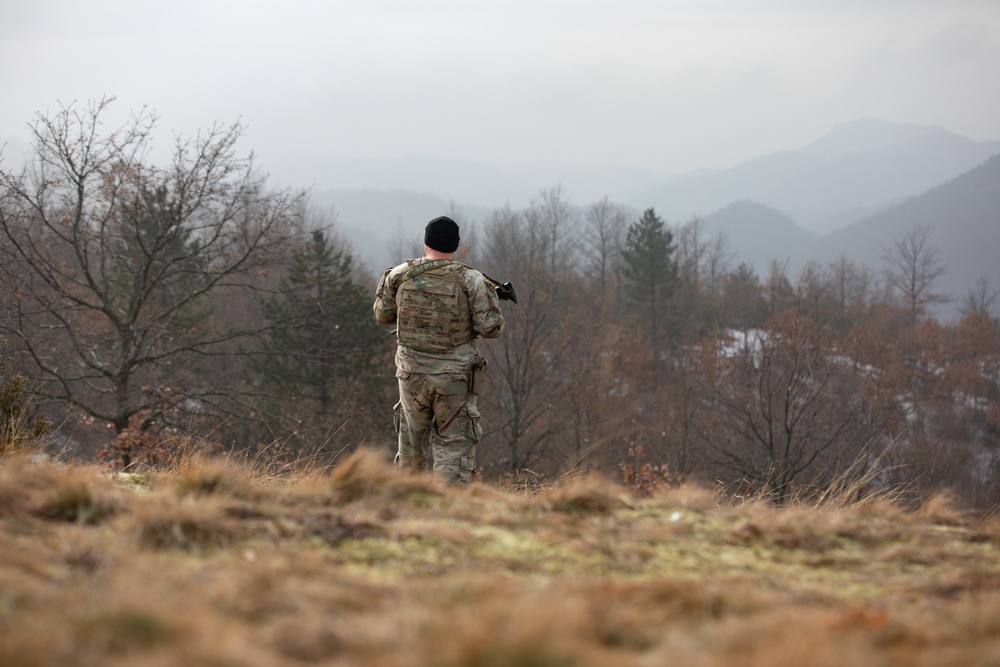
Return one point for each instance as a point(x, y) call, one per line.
point(789, 126)
point(853, 192)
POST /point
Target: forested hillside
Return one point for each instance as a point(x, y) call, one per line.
point(157, 309)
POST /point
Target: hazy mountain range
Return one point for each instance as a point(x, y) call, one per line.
point(855, 170)
point(964, 213)
point(965, 216)
point(852, 192)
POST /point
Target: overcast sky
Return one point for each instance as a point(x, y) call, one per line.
point(670, 85)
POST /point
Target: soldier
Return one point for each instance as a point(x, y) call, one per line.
point(439, 307)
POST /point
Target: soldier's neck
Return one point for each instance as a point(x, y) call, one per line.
point(431, 253)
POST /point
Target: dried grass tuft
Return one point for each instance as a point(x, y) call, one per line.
point(365, 474)
point(943, 509)
point(201, 476)
point(54, 491)
point(501, 625)
point(125, 629)
point(686, 496)
point(77, 501)
point(590, 494)
point(188, 523)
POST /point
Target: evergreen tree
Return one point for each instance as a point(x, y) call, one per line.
point(323, 332)
point(743, 302)
point(650, 269)
point(159, 262)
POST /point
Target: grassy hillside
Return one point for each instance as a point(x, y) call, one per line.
point(216, 564)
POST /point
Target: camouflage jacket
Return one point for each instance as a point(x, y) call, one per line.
point(484, 312)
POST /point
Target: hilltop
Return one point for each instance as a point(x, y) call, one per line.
point(212, 562)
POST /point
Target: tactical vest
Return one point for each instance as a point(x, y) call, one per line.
point(433, 308)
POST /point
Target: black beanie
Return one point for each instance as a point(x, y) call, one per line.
point(441, 234)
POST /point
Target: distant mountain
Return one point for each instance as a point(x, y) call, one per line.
point(451, 180)
point(759, 234)
point(587, 184)
point(965, 215)
point(864, 136)
point(857, 167)
point(885, 175)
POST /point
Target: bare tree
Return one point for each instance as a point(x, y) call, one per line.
point(404, 243)
point(717, 262)
point(692, 247)
point(117, 264)
point(743, 303)
point(530, 367)
point(778, 288)
point(912, 266)
point(701, 261)
point(604, 229)
point(553, 216)
point(813, 292)
point(783, 409)
point(850, 285)
point(980, 299)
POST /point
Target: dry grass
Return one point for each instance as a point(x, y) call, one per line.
point(213, 563)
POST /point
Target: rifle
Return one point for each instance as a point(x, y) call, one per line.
point(505, 291)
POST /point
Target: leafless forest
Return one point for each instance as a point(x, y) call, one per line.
point(155, 309)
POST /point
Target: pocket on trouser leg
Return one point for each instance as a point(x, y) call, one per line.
point(467, 468)
point(477, 379)
point(475, 430)
point(455, 448)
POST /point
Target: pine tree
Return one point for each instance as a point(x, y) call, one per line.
point(159, 263)
point(324, 332)
point(650, 269)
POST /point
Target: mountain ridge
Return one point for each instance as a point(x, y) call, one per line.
point(964, 215)
point(858, 175)
point(750, 229)
point(864, 172)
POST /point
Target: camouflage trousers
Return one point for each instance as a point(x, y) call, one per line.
point(437, 416)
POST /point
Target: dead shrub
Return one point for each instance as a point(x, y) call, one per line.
point(20, 430)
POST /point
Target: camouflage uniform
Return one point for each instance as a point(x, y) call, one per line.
point(439, 313)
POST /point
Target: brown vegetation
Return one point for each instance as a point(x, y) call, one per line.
point(213, 562)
